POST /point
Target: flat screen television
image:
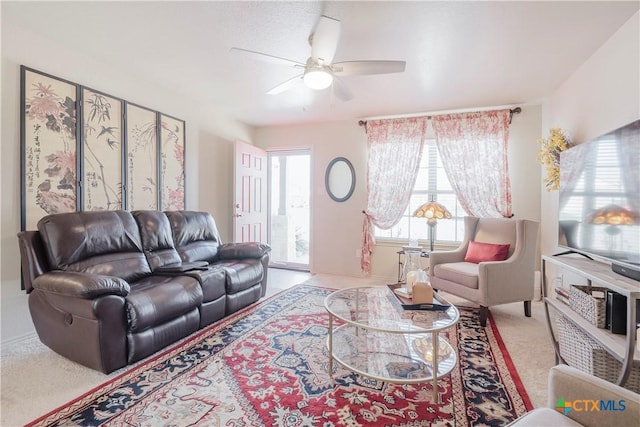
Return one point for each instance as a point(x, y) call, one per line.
point(599, 211)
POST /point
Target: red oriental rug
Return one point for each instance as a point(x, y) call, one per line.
point(267, 365)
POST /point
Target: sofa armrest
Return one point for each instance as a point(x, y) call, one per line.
point(581, 389)
point(81, 285)
point(502, 271)
point(243, 250)
point(32, 257)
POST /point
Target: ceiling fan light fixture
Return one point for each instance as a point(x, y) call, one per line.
point(317, 79)
point(320, 71)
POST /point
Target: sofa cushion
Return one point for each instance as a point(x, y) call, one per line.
point(463, 273)
point(157, 238)
point(195, 235)
point(241, 274)
point(212, 280)
point(205, 250)
point(482, 252)
point(157, 299)
point(497, 230)
point(130, 266)
point(141, 344)
point(104, 242)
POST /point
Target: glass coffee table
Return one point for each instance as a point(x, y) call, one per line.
point(378, 338)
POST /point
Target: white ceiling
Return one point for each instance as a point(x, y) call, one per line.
point(459, 55)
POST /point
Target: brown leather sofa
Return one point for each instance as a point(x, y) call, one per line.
point(109, 288)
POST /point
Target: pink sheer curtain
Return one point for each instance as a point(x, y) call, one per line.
point(395, 146)
point(473, 149)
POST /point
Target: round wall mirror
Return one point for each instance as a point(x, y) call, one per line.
point(340, 179)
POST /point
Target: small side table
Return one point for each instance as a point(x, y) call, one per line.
point(400, 253)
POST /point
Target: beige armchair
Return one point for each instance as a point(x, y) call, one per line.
point(489, 283)
point(588, 401)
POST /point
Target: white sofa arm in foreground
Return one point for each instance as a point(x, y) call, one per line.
point(588, 401)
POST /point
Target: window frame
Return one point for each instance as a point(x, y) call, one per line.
point(431, 162)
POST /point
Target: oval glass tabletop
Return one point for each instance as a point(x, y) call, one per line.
point(376, 308)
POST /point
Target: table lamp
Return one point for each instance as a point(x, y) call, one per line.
point(432, 211)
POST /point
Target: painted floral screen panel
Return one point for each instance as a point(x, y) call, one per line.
point(142, 158)
point(101, 151)
point(172, 135)
point(49, 147)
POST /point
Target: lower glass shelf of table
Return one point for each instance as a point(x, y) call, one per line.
point(393, 357)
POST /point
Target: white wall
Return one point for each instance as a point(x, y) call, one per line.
point(209, 147)
point(337, 227)
point(602, 95)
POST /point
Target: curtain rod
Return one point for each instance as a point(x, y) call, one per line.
point(512, 111)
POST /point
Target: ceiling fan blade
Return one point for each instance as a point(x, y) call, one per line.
point(265, 57)
point(286, 85)
point(340, 90)
point(354, 68)
point(324, 39)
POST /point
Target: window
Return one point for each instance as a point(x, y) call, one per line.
point(431, 182)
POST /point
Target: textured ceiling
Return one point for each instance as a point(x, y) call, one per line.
point(459, 54)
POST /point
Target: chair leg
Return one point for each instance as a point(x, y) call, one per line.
point(484, 312)
point(527, 308)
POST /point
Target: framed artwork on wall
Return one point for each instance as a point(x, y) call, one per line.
point(142, 158)
point(102, 151)
point(48, 145)
point(172, 176)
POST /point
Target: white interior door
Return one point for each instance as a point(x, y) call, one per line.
point(250, 200)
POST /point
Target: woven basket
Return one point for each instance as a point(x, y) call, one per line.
point(591, 308)
point(582, 352)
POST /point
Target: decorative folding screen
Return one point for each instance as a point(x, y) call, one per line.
point(48, 146)
point(142, 158)
point(82, 150)
point(172, 162)
point(102, 151)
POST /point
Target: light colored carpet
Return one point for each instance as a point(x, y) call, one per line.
point(35, 380)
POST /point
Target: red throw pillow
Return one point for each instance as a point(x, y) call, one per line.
point(480, 252)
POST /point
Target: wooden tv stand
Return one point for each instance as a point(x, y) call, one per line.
point(621, 347)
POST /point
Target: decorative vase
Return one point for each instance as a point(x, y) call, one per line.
point(411, 268)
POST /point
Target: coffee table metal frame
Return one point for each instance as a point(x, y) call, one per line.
point(374, 309)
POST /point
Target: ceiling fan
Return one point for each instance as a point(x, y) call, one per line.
point(319, 72)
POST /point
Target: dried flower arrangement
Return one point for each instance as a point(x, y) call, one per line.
point(549, 155)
